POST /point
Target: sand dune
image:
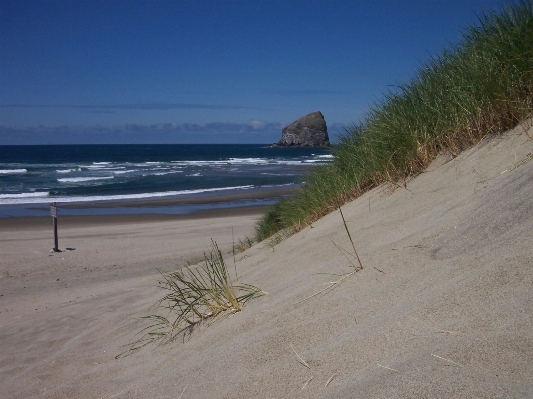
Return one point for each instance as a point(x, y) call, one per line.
point(442, 308)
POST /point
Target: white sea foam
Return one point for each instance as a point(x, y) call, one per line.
point(83, 179)
point(159, 168)
point(199, 163)
point(277, 174)
point(230, 161)
point(283, 162)
point(12, 171)
point(105, 169)
point(167, 173)
point(24, 195)
point(246, 162)
point(36, 198)
point(320, 159)
point(98, 167)
point(68, 170)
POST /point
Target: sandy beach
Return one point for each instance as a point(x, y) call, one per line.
point(441, 309)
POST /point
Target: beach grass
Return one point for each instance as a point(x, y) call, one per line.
point(482, 85)
point(244, 243)
point(194, 294)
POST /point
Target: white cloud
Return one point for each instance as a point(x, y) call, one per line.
point(257, 124)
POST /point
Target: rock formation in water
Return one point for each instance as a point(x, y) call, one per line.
point(308, 131)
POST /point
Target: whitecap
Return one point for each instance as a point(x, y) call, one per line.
point(167, 173)
point(28, 200)
point(83, 179)
point(12, 171)
point(24, 195)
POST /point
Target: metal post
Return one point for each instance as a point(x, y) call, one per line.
point(56, 249)
point(53, 213)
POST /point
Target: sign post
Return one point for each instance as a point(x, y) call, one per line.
point(53, 213)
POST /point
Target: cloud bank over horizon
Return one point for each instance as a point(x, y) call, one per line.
point(253, 132)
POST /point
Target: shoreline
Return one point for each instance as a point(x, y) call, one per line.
point(195, 206)
point(44, 222)
point(208, 198)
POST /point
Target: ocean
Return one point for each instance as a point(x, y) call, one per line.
point(92, 176)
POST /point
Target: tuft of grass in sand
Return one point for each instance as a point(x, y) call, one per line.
point(482, 85)
point(194, 294)
point(244, 243)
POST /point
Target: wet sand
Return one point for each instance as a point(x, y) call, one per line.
point(245, 195)
point(45, 223)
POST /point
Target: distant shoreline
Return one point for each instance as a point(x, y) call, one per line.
point(195, 206)
point(44, 223)
point(251, 194)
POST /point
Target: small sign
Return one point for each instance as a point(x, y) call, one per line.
point(53, 209)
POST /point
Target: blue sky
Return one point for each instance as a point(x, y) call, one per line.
point(195, 71)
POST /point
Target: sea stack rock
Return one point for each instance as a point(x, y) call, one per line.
point(308, 131)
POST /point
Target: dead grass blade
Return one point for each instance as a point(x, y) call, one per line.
point(447, 360)
point(330, 379)
point(350, 237)
point(307, 382)
point(300, 358)
point(388, 368)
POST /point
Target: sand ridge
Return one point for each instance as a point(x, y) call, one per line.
point(441, 309)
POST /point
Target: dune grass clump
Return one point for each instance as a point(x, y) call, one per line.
point(482, 85)
point(244, 243)
point(194, 295)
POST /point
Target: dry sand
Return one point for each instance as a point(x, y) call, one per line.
point(442, 309)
